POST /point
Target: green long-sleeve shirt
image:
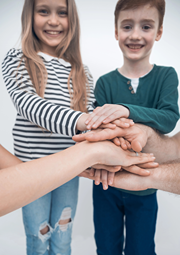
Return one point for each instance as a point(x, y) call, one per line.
point(154, 104)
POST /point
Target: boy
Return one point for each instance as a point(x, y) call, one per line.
point(147, 94)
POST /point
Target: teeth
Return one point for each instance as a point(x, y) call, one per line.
point(53, 32)
point(135, 46)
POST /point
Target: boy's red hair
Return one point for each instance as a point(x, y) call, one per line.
point(133, 4)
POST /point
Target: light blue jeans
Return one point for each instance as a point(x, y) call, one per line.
point(48, 210)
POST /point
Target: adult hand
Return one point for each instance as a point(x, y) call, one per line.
point(137, 135)
point(129, 181)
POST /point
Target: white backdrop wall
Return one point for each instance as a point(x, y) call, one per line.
point(101, 53)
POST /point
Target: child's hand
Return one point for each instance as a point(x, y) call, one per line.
point(105, 177)
point(120, 141)
point(121, 122)
point(101, 173)
point(81, 126)
point(135, 134)
point(105, 114)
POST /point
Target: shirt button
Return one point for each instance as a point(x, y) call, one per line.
point(132, 92)
point(130, 88)
point(128, 82)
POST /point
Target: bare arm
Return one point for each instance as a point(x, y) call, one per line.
point(7, 159)
point(165, 148)
point(166, 177)
point(25, 182)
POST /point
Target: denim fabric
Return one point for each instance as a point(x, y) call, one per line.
point(114, 210)
point(47, 211)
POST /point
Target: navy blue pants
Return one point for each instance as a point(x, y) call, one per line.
point(114, 210)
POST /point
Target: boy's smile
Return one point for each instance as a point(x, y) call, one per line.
point(50, 23)
point(136, 32)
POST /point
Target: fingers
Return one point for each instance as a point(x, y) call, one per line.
point(111, 178)
point(133, 159)
point(136, 146)
point(120, 141)
point(104, 179)
point(116, 141)
point(112, 169)
point(109, 125)
point(91, 171)
point(97, 176)
point(96, 118)
point(104, 134)
point(79, 138)
point(137, 170)
point(105, 114)
point(125, 145)
point(149, 165)
point(82, 137)
point(123, 122)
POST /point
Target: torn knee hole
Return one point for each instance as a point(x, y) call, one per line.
point(44, 230)
point(63, 222)
point(65, 219)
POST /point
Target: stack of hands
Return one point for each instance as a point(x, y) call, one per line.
point(110, 122)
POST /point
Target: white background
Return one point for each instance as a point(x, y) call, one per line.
point(101, 53)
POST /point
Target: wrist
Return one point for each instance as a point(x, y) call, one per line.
point(154, 178)
point(126, 111)
point(94, 152)
point(81, 126)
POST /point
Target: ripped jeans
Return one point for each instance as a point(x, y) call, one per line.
point(47, 212)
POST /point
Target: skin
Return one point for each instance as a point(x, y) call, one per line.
point(136, 135)
point(23, 183)
point(165, 177)
point(50, 24)
point(136, 31)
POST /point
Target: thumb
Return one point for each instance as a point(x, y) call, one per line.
point(136, 146)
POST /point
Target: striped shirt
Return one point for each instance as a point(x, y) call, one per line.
point(46, 125)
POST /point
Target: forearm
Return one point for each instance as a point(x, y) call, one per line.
point(7, 159)
point(26, 182)
point(166, 177)
point(165, 148)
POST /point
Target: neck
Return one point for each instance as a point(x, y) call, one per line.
point(135, 69)
point(51, 51)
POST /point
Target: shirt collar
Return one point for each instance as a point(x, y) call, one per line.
point(49, 58)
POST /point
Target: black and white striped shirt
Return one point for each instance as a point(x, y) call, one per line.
point(43, 126)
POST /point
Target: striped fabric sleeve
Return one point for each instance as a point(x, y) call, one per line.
point(91, 97)
point(55, 118)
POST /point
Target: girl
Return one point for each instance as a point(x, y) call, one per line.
point(51, 89)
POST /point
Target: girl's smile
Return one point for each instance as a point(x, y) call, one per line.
point(50, 23)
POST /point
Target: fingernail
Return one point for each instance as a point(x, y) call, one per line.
point(147, 171)
point(152, 154)
point(105, 187)
point(88, 127)
point(153, 157)
point(110, 182)
point(155, 164)
point(97, 183)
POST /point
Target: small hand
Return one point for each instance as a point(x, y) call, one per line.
point(106, 114)
point(120, 141)
point(99, 176)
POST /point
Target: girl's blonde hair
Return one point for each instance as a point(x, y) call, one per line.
point(68, 49)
